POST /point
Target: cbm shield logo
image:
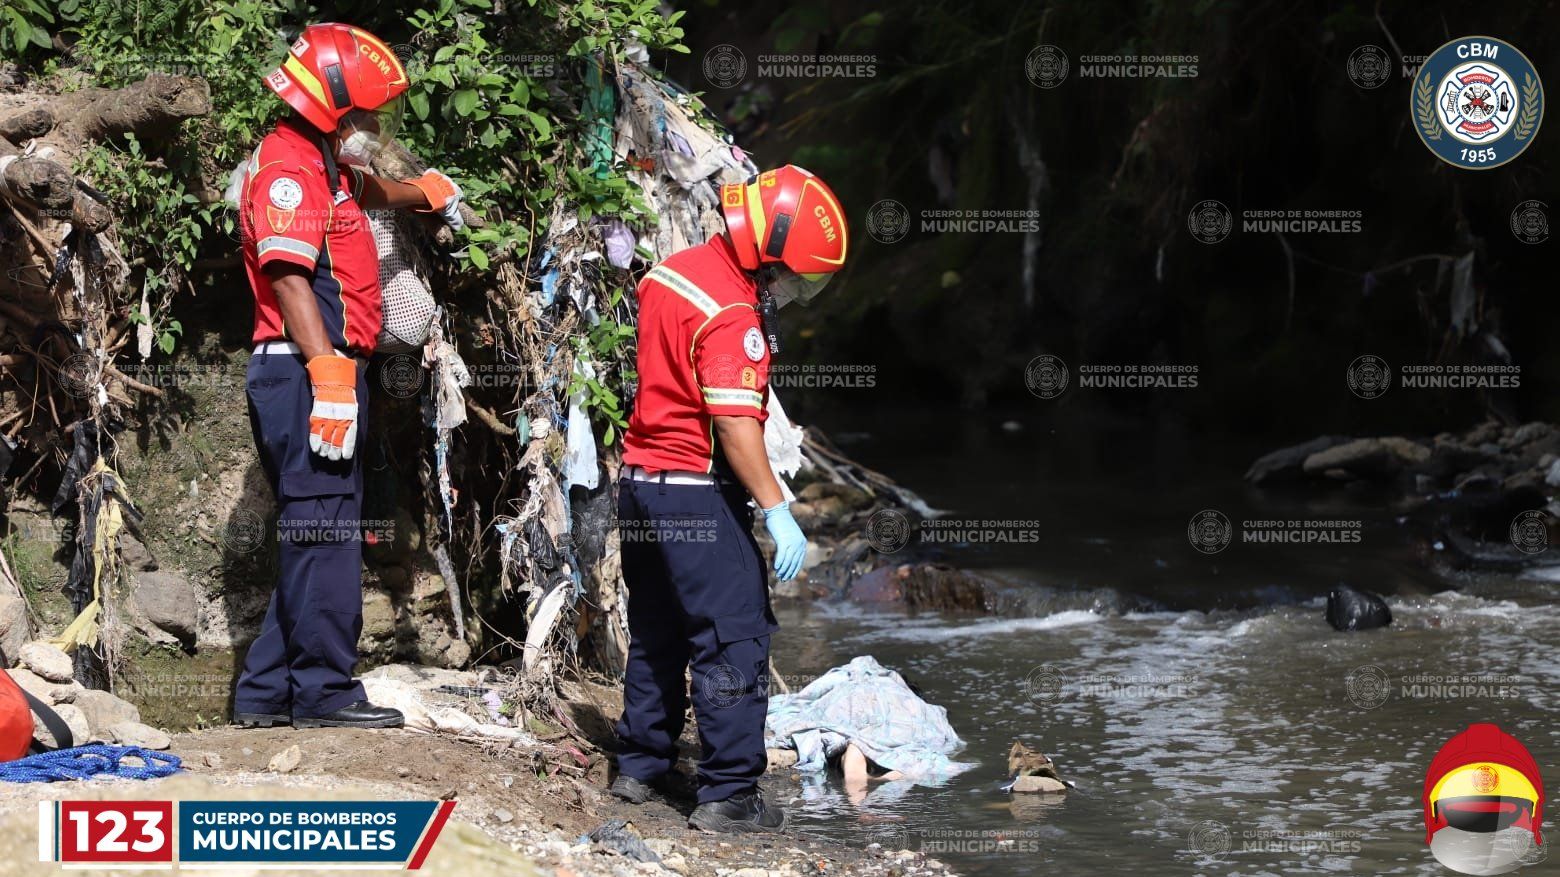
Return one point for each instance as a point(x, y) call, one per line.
point(1477, 102)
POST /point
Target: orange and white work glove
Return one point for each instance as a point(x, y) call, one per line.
point(333, 422)
point(443, 197)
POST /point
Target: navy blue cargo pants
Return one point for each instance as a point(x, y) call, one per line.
point(303, 659)
point(697, 594)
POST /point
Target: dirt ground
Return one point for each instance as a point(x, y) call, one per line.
point(520, 811)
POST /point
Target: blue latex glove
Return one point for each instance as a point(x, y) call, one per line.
point(790, 544)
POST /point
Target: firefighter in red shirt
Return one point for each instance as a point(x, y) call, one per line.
point(693, 457)
point(314, 270)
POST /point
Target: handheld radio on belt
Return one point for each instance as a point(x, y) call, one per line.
point(769, 314)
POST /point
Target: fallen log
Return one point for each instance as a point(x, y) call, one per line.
point(150, 109)
point(49, 189)
point(27, 125)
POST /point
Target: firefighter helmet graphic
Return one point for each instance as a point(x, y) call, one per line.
point(1483, 802)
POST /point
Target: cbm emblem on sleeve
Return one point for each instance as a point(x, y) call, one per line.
point(1477, 102)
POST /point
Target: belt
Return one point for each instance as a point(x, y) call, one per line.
point(637, 473)
point(292, 348)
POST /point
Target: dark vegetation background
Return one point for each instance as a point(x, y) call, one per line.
point(1271, 122)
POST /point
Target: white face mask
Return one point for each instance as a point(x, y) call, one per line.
point(789, 287)
point(360, 147)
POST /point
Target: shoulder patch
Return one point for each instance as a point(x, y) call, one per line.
point(753, 344)
point(285, 193)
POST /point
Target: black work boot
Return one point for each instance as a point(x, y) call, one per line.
point(743, 812)
point(631, 790)
point(354, 715)
point(670, 785)
point(261, 720)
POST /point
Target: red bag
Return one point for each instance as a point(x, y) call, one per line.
point(16, 724)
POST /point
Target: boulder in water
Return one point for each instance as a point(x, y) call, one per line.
point(1352, 609)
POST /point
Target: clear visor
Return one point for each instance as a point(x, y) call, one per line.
point(800, 288)
point(1486, 852)
point(380, 125)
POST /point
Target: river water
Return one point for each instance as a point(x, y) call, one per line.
point(1211, 720)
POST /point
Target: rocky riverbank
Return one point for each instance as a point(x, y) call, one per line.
point(527, 806)
point(1485, 498)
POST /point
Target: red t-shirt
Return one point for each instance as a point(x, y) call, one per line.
point(286, 213)
point(701, 353)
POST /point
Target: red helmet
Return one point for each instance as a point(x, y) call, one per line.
point(1483, 780)
point(334, 69)
point(786, 217)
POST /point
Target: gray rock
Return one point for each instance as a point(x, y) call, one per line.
point(79, 729)
point(134, 554)
point(378, 616)
point(1529, 432)
point(15, 628)
point(103, 709)
point(285, 761)
point(137, 734)
point(33, 684)
point(1552, 477)
point(1288, 463)
point(46, 660)
point(168, 600)
point(1368, 457)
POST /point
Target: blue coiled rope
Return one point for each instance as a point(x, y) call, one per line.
point(85, 762)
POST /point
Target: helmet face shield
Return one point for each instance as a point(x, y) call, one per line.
point(364, 133)
point(788, 286)
point(1483, 818)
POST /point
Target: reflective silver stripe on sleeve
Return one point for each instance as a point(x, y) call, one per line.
point(685, 288)
point(297, 248)
point(723, 396)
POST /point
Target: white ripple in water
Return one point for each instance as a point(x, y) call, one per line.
point(933, 632)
